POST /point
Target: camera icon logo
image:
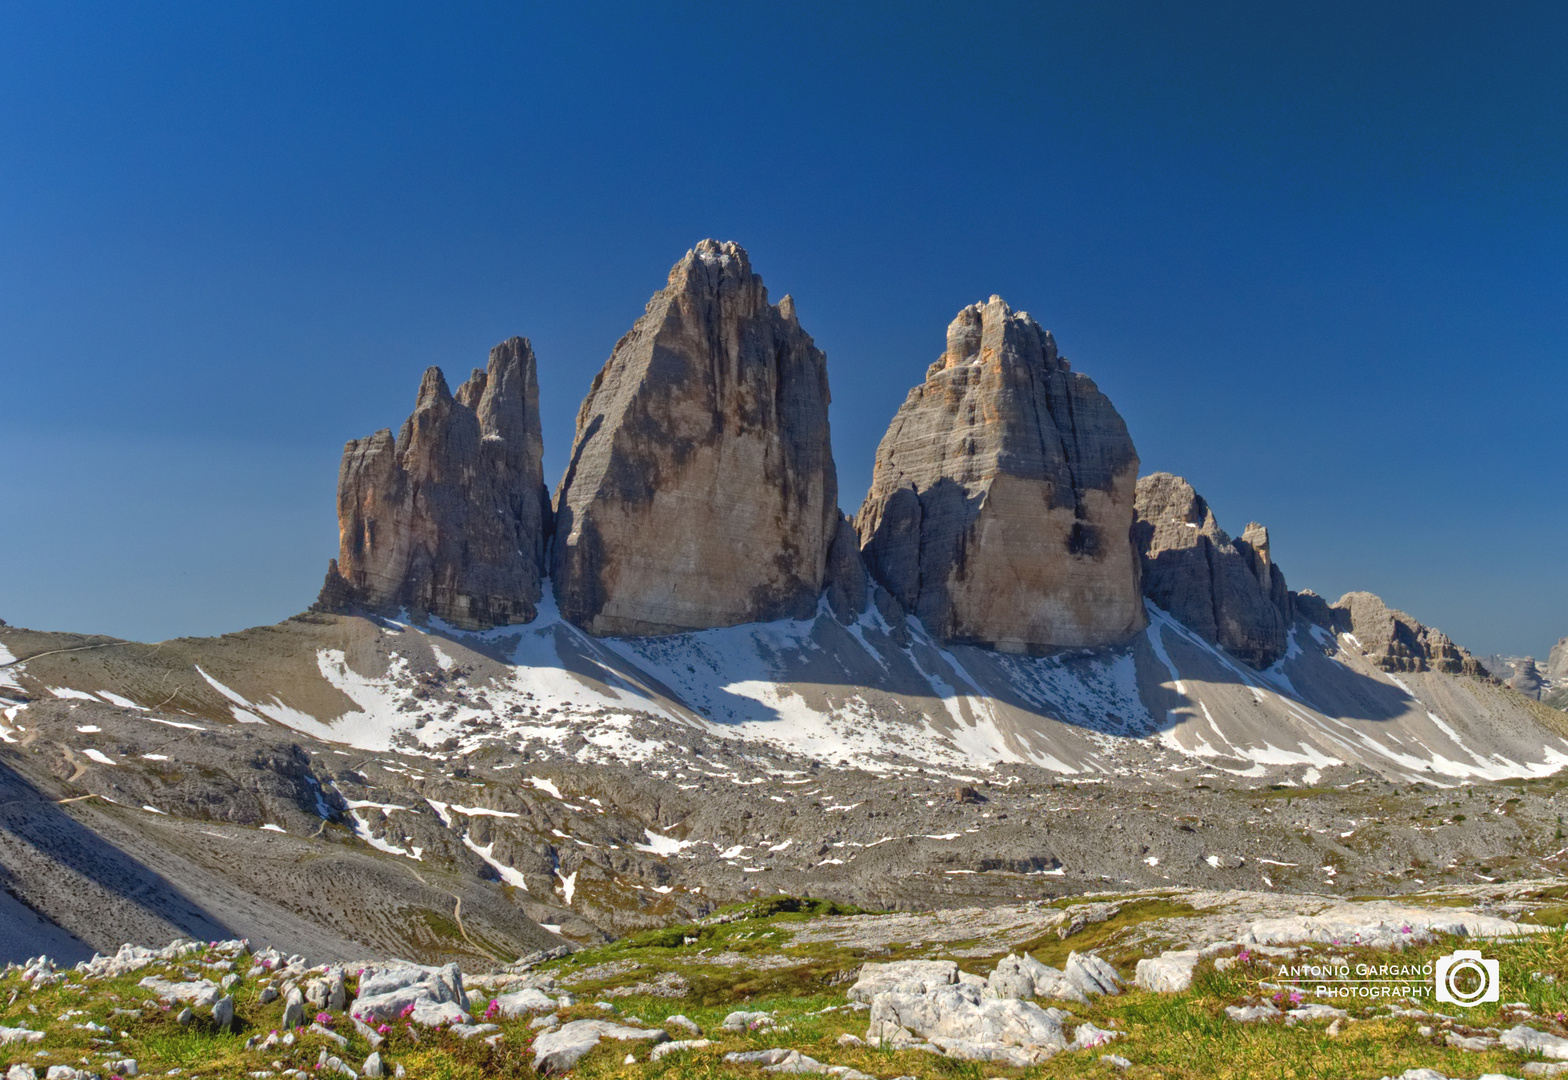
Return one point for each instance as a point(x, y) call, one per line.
point(1465, 977)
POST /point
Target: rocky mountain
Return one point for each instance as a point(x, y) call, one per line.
point(1521, 673)
point(1003, 493)
point(701, 490)
point(1227, 591)
point(1391, 640)
point(449, 519)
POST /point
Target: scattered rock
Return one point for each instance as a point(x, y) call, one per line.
point(1527, 1040)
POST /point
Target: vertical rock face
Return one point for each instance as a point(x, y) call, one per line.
point(1557, 662)
point(450, 518)
point(1228, 591)
point(1002, 497)
point(701, 490)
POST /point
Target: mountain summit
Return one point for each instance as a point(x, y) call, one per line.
point(1001, 503)
point(701, 490)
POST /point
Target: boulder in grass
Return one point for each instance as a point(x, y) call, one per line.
point(523, 1002)
point(559, 1050)
point(202, 993)
point(1168, 973)
point(426, 995)
point(903, 976)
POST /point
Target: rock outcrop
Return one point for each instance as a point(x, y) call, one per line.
point(1557, 662)
point(1226, 590)
point(1391, 640)
point(1003, 493)
point(450, 518)
point(1521, 673)
point(701, 490)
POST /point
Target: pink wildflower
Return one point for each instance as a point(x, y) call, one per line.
point(383, 1029)
point(324, 1019)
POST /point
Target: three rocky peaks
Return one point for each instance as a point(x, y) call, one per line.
point(1005, 507)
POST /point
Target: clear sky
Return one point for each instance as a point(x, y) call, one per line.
point(1317, 255)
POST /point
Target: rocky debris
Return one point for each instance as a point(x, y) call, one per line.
point(1527, 1040)
point(1228, 591)
point(1382, 925)
point(426, 995)
point(449, 518)
point(1003, 493)
point(1391, 640)
point(19, 1035)
point(701, 490)
point(784, 1060)
point(131, 958)
point(558, 1050)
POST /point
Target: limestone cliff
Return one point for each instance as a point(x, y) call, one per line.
point(450, 517)
point(701, 490)
point(1227, 590)
point(1391, 639)
point(1002, 496)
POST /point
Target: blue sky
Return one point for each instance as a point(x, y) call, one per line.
point(1318, 257)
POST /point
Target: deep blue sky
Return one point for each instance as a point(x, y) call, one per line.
point(1318, 258)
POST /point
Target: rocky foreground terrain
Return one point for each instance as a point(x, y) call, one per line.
point(1172, 983)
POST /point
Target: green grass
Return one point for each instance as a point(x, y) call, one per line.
point(1184, 1035)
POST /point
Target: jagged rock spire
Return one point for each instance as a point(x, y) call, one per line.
point(1226, 590)
point(450, 518)
point(701, 490)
